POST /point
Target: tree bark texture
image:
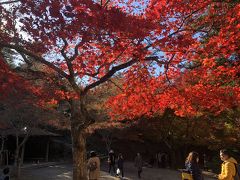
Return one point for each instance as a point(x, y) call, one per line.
point(80, 120)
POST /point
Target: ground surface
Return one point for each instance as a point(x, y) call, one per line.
point(64, 172)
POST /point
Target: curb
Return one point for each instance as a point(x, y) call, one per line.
point(42, 165)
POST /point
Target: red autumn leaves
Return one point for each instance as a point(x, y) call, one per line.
point(197, 44)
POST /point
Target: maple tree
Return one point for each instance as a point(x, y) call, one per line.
point(199, 69)
point(169, 52)
point(88, 43)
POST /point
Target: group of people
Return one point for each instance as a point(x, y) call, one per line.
point(93, 165)
point(229, 170)
point(112, 163)
point(138, 162)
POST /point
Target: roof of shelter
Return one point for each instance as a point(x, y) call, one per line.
point(32, 132)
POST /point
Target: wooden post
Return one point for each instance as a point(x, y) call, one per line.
point(7, 153)
point(47, 150)
point(22, 154)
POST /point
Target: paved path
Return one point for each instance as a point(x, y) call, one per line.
point(54, 172)
point(151, 173)
point(64, 172)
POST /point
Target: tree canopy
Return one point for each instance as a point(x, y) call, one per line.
point(179, 55)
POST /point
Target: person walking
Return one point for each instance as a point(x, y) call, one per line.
point(192, 166)
point(120, 162)
point(93, 166)
point(138, 164)
point(228, 171)
point(111, 162)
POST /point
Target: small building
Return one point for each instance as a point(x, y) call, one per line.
point(36, 149)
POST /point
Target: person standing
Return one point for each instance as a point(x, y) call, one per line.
point(138, 164)
point(228, 171)
point(158, 159)
point(120, 162)
point(111, 162)
point(205, 167)
point(192, 166)
point(163, 160)
point(93, 166)
point(151, 161)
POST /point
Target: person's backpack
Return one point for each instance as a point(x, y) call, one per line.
point(92, 166)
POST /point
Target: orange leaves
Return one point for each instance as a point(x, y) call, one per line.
point(191, 93)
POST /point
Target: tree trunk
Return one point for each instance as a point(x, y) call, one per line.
point(17, 156)
point(47, 150)
point(79, 155)
point(17, 163)
point(80, 120)
point(2, 150)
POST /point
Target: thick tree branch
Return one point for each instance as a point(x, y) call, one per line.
point(69, 64)
point(110, 74)
point(76, 51)
point(64, 49)
point(71, 77)
point(115, 69)
point(35, 56)
point(9, 2)
point(29, 63)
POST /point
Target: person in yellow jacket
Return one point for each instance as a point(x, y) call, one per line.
point(228, 166)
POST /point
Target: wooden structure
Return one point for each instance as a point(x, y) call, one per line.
point(39, 140)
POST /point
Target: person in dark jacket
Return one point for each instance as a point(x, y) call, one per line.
point(192, 166)
point(111, 162)
point(138, 164)
point(120, 162)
